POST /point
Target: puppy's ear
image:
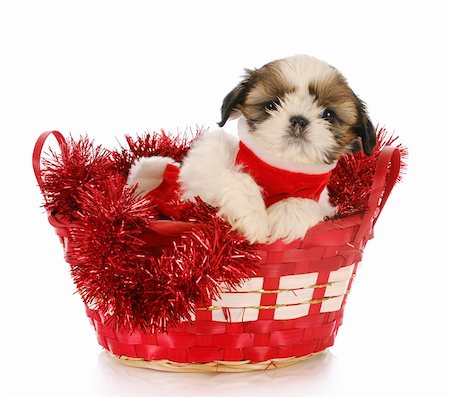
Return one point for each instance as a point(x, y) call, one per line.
point(236, 97)
point(365, 130)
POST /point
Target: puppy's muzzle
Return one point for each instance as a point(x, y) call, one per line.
point(298, 125)
point(299, 122)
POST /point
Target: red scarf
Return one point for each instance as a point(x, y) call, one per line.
point(279, 184)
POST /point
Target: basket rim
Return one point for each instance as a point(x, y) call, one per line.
point(213, 366)
point(173, 229)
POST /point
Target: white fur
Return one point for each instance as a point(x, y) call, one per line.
point(148, 173)
point(209, 172)
point(328, 211)
point(300, 70)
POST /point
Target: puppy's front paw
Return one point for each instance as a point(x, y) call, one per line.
point(290, 219)
point(328, 210)
point(241, 203)
point(253, 225)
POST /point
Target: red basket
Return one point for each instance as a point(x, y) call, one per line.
point(290, 310)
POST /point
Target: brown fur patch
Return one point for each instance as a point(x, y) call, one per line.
point(268, 84)
point(343, 135)
point(334, 93)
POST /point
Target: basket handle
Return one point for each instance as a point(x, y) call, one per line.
point(37, 152)
point(385, 177)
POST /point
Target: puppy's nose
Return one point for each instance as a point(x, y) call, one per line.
point(299, 121)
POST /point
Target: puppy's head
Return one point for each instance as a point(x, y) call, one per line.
point(301, 109)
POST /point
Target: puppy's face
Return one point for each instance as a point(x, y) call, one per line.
point(301, 109)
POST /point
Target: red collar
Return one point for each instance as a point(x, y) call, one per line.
point(277, 183)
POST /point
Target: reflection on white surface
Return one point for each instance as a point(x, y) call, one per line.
point(119, 378)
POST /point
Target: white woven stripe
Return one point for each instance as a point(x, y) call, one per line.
point(298, 281)
point(298, 293)
point(340, 279)
point(236, 315)
point(295, 296)
point(344, 273)
point(252, 284)
point(238, 299)
point(332, 304)
point(337, 288)
point(290, 312)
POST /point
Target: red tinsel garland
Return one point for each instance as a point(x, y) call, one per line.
point(161, 144)
point(114, 273)
point(351, 180)
point(111, 263)
point(106, 248)
point(79, 166)
point(148, 145)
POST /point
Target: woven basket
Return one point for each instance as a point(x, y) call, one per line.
point(289, 311)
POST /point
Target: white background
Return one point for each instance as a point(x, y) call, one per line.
point(114, 67)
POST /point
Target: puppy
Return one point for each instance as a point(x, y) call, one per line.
point(298, 116)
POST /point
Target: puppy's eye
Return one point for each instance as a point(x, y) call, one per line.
point(271, 105)
point(329, 115)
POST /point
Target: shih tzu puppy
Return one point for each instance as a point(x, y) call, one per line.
point(297, 117)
